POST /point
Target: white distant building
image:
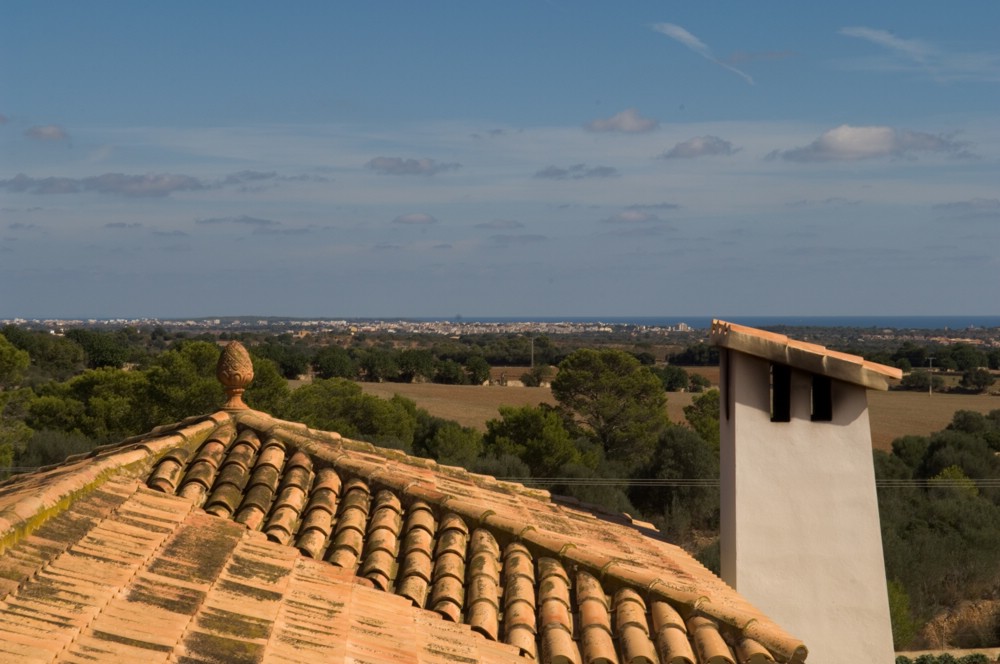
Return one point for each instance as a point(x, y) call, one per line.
point(799, 509)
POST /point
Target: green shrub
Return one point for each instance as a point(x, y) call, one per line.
point(978, 658)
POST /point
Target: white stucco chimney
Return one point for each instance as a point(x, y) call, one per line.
point(799, 513)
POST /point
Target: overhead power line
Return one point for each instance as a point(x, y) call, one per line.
point(982, 483)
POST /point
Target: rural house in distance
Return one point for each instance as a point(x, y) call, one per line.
point(799, 513)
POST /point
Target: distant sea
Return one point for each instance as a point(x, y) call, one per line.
point(704, 322)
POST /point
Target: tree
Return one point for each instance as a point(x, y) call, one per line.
point(699, 354)
point(921, 381)
point(291, 359)
point(967, 356)
point(681, 454)
point(455, 445)
point(340, 405)
point(703, 416)
point(615, 401)
point(538, 375)
point(478, 369)
point(269, 389)
point(450, 372)
point(699, 383)
point(335, 362)
point(378, 365)
point(103, 349)
point(535, 435)
point(415, 365)
point(52, 357)
point(182, 381)
point(674, 378)
point(976, 380)
point(13, 363)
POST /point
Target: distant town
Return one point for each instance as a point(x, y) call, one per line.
point(983, 337)
point(354, 325)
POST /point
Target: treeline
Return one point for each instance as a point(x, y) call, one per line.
point(977, 658)
point(610, 424)
point(941, 528)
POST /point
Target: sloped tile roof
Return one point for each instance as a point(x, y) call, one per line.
point(803, 355)
point(242, 538)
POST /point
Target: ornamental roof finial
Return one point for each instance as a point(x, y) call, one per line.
point(234, 371)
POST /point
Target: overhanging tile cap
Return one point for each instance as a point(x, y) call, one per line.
point(813, 358)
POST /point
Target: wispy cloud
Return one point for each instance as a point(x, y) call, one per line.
point(911, 48)
point(766, 56)
point(149, 185)
point(400, 166)
point(268, 230)
point(679, 34)
point(242, 220)
point(173, 233)
point(826, 202)
point(915, 55)
point(123, 225)
point(702, 146)
point(633, 216)
point(627, 122)
point(500, 224)
point(847, 143)
point(46, 133)
point(134, 186)
point(576, 172)
point(509, 240)
point(4, 119)
point(977, 209)
point(415, 219)
point(654, 206)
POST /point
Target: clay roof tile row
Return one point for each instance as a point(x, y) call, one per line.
point(316, 521)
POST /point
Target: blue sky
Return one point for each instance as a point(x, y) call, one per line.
point(498, 159)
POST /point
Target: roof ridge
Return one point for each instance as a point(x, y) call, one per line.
point(344, 454)
point(803, 355)
point(36, 497)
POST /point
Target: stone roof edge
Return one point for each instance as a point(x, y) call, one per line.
point(92, 470)
point(803, 355)
point(616, 573)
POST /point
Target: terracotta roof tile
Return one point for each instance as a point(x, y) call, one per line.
point(266, 540)
point(806, 356)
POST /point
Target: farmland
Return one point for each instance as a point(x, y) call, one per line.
point(892, 414)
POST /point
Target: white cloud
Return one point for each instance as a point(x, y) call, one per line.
point(400, 166)
point(914, 55)
point(701, 146)
point(46, 133)
point(628, 122)
point(414, 219)
point(679, 34)
point(847, 143)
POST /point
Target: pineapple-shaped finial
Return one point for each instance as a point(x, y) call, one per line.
point(234, 371)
